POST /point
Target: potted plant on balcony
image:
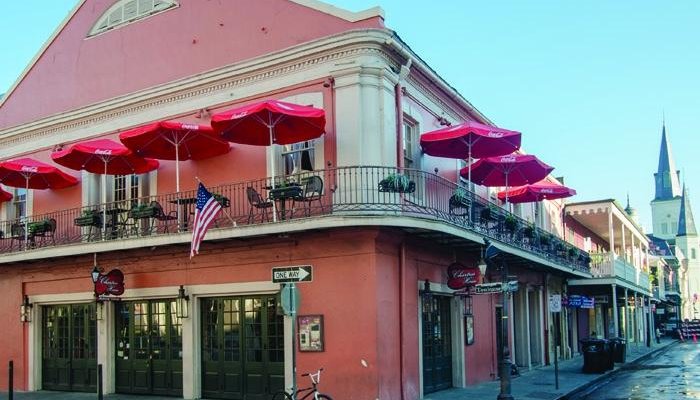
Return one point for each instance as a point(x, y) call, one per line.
point(572, 252)
point(545, 240)
point(397, 183)
point(459, 201)
point(510, 223)
point(529, 230)
point(88, 218)
point(142, 211)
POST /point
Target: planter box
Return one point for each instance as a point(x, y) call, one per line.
point(87, 220)
point(142, 212)
point(386, 185)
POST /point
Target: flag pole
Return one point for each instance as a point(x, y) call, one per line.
point(235, 225)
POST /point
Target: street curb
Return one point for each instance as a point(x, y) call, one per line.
point(610, 374)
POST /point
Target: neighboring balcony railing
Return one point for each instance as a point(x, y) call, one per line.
point(606, 265)
point(346, 191)
point(672, 288)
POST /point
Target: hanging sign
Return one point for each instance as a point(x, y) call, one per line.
point(111, 283)
point(578, 301)
point(587, 302)
point(461, 277)
point(555, 303)
point(496, 287)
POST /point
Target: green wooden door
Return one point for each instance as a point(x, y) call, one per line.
point(69, 348)
point(242, 348)
point(437, 344)
point(148, 348)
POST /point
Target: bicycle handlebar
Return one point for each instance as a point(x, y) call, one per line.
point(309, 373)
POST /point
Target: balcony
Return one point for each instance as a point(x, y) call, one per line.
point(347, 192)
point(607, 265)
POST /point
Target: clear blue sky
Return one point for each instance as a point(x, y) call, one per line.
point(586, 82)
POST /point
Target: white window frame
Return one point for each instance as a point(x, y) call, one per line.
point(103, 23)
point(279, 152)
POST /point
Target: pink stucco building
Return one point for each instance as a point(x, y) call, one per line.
point(391, 327)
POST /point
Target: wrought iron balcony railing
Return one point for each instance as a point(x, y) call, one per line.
point(346, 191)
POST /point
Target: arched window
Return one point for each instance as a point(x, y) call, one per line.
point(125, 11)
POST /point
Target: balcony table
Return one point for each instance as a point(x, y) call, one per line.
point(283, 194)
point(187, 203)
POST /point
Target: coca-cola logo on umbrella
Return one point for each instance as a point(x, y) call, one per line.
point(111, 283)
point(460, 276)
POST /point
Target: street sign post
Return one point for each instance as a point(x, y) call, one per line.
point(299, 273)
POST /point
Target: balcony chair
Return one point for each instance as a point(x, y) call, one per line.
point(257, 203)
point(313, 190)
point(17, 233)
point(160, 216)
point(46, 230)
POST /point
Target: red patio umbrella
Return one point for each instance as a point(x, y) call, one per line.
point(536, 192)
point(5, 196)
point(32, 174)
point(172, 140)
point(268, 123)
point(470, 140)
point(513, 169)
point(106, 157)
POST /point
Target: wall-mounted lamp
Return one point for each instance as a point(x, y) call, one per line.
point(444, 122)
point(182, 303)
point(25, 310)
point(426, 293)
point(95, 274)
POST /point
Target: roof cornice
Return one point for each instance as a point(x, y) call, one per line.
point(356, 43)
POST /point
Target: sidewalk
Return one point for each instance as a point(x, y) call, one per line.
point(538, 384)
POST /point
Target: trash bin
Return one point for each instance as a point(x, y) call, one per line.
point(619, 347)
point(597, 356)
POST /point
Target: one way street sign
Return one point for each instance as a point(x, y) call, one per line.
point(299, 273)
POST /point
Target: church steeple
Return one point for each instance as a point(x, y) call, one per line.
point(667, 182)
point(686, 224)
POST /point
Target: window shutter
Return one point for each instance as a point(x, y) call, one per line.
point(161, 5)
point(130, 10)
point(116, 16)
point(145, 6)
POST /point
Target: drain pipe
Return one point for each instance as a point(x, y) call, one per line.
point(402, 311)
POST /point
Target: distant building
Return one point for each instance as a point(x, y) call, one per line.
point(672, 220)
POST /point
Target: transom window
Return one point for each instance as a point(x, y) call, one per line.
point(125, 11)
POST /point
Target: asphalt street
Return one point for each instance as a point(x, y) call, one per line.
point(672, 374)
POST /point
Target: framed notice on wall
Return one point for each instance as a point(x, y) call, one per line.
point(310, 332)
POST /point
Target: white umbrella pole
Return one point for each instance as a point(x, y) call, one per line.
point(26, 214)
point(104, 202)
point(177, 185)
point(272, 170)
point(471, 185)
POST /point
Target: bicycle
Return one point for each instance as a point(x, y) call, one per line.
point(312, 390)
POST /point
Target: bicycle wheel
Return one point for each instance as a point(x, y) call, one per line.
point(282, 396)
point(324, 397)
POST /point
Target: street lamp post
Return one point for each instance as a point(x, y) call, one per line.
point(494, 258)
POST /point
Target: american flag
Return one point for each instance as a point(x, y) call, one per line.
point(206, 211)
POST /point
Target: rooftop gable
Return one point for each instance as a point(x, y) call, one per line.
point(73, 70)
